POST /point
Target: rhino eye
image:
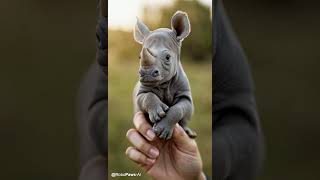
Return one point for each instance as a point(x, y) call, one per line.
point(168, 56)
point(139, 56)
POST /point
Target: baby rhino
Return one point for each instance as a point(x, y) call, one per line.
point(163, 91)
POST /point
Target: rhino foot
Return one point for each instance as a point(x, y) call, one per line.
point(157, 112)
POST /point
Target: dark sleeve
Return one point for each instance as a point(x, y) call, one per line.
point(237, 142)
point(92, 111)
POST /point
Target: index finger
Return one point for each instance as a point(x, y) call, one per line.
point(141, 124)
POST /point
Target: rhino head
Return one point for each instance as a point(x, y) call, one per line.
point(160, 53)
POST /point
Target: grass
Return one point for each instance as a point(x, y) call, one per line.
point(122, 78)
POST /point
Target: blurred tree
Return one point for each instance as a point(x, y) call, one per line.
point(197, 46)
point(122, 45)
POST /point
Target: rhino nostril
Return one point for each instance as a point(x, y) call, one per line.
point(141, 73)
point(155, 73)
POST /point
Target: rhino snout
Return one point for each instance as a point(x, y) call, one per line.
point(149, 72)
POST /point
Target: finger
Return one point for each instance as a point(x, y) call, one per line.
point(140, 143)
point(143, 126)
point(182, 140)
point(138, 157)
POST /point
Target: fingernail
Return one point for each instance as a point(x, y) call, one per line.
point(150, 135)
point(154, 152)
point(150, 161)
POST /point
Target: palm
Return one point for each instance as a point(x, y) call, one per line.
point(174, 162)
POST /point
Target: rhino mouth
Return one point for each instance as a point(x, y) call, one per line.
point(150, 76)
point(149, 80)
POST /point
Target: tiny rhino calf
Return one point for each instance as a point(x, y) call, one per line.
point(163, 92)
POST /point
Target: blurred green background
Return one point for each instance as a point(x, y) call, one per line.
point(123, 74)
point(281, 39)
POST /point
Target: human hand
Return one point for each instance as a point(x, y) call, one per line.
point(177, 158)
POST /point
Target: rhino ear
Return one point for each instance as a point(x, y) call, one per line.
point(140, 31)
point(180, 24)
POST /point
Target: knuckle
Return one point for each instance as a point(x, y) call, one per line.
point(142, 158)
point(141, 127)
point(139, 114)
point(144, 147)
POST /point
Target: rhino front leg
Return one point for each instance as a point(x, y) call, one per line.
point(180, 111)
point(150, 103)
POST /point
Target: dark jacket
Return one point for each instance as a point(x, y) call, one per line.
point(237, 142)
point(92, 109)
point(237, 138)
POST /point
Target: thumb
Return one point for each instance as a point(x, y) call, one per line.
point(182, 140)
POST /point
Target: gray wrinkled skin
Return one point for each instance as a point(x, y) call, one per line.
point(163, 92)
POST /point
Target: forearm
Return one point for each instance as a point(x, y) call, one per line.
point(182, 109)
point(237, 148)
point(92, 114)
point(97, 119)
point(145, 101)
point(92, 110)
